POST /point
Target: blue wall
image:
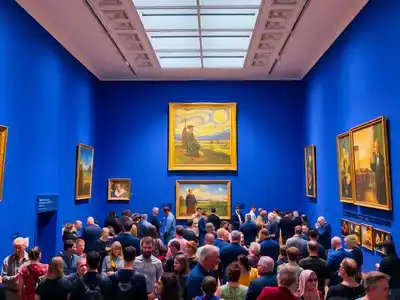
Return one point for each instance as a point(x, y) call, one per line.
point(356, 81)
point(132, 136)
point(47, 101)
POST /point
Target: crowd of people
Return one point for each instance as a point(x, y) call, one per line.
point(256, 256)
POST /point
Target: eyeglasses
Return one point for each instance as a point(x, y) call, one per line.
point(312, 280)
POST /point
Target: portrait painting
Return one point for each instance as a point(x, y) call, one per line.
point(205, 194)
point(345, 167)
point(202, 136)
point(379, 237)
point(84, 172)
point(309, 160)
point(119, 189)
point(367, 236)
point(345, 227)
point(371, 165)
point(3, 146)
point(356, 230)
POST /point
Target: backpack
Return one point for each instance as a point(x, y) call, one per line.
point(125, 288)
point(92, 292)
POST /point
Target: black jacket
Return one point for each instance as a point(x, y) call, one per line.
point(155, 222)
point(215, 220)
point(235, 220)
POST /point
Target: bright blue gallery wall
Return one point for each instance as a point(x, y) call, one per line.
point(356, 81)
point(132, 141)
point(47, 101)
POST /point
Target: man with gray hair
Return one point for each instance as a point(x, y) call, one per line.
point(230, 252)
point(376, 284)
point(154, 219)
point(145, 223)
point(267, 277)
point(273, 227)
point(287, 278)
point(324, 232)
point(249, 230)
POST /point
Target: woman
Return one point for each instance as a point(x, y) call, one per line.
point(352, 244)
point(254, 254)
point(113, 222)
point(308, 286)
point(167, 288)
point(134, 230)
point(31, 274)
point(304, 221)
point(113, 261)
point(181, 270)
point(232, 290)
point(191, 254)
point(242, 242)
point(69, 232)
point(211, 229)
point(55, 286)
point(230, 228)
point(390, 265)
point(247, 273)
point(152, 232)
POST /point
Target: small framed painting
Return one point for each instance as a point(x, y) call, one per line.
point(345, 227)
point(345, 167)
point(379, 237)
point(355, 229)
point(119, 189)
point(367, 240)
point(3, 146)
point(309, 161)
point(84, 172)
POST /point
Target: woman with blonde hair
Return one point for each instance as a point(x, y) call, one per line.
point(308, 286)
point(352, 243)
point(254, 254)
point(114, 260)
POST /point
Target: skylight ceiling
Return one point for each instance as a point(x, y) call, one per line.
point(199, 33)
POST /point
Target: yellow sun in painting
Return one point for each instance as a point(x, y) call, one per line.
point(220, 116)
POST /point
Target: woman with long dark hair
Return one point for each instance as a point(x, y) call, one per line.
point(181, 270)
point(247, 273)
point(152, 232)
point(390, 265)
point(167, 288)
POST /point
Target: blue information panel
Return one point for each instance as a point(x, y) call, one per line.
point(46, 203)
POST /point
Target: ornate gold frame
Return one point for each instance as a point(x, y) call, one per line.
point(345, 199)
point(3, 148)
point(314, 195)
point(172, 166)
point(377, 229)
point(78, 155)
point(110, 183)
point(362, 237)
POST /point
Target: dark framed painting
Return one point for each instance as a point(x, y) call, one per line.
point(3, 147)
point(367, 236)
point(309, 162)
point(345, 227)
point(119, 189)
point(345, 167)
point(371, 164)
point(379, 237)
point(84, 172)
point(355, 229)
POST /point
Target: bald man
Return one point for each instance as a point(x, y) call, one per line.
point(90, 234)
point(267, 277)
point(335, 258)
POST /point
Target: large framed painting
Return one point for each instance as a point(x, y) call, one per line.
point(367, 236)
point(345, 227)
point(355, 229)
point(3, 146)
point(119, 189)
point(202, 136)
point(345, 167)
point(379, 237)
point(309, 161)
point(207, 194)
point(84, 172)
point(371, 164)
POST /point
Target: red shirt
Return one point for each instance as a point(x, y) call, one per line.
point(30, 275)
point(276, 293)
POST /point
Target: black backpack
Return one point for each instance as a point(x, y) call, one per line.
point(92, 292)
point(125, 288)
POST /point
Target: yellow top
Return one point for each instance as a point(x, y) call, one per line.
point(246, 279)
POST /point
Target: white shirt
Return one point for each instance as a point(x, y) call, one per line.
point(240, 219)
point(253, 216)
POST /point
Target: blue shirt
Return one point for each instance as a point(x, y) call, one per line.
point(257, 285)
point(170, 226)
point(69, 263)
point(220, 243)
point(270, 248)
point(194, 280)
point(230, 253)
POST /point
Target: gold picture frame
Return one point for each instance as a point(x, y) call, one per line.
point(355, 228)
point(206, 194)
point(84, 172)
point(379, 237)
point(345, 227)
point(309, 164)
point(371, 164)
point(345, 165)
point(119, 189)
point(202, 137)
point(367, 236)
point(3, 148)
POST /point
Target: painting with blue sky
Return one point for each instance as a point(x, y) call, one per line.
point(84, 172)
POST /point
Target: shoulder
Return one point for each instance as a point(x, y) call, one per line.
point(64, 283)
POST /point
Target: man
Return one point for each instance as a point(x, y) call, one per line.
point(273, 227)
point(137, 221)
point(190, 144)
point(189, 234)
point(324, 231)
point(268, 246)
point(68, 257)
point(261, 219)
point(75, 278)
point(214, 218)
point(230, 252)
point(298, 242)
point(296, 218)
point(190, 202)
point(209, 240)
point(90, 234)
point(196, 217)
point(249, 230)
point(253, 214)
point(180, 239)
point(125, 217)
point(148, 265)
point(376, 285)
point(78, 227)
point(170, 225)
point(127, 239)
point(127, 283)
point(154, 219)
point(293, 257)
point(11, 266)
point(112, 221)
point(335, 258)
point(220, 242)
point(377, 164)
point(286, 226)
point(313, 234)
point(267, 277)
point(174, 249)
point(237, 218)
point(316, 264)
point(80, 247)
point(286, 279)
point(304, 233)
point(146, 223)
point(349, 288)
point(208, 261)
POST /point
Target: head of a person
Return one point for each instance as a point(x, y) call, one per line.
point(199, 211)
point(209, 257)
point(260, 209)
point(264, 213)
point(93, 260)
point(293, 254)
point(190, 191)
point(253, 208)
point(116, 250)
point(321, 221)
point(233, 272)
point(129, 254)
point(163, 251)
point(174, 246)
point(112, 214)
point(69, 246)
point(210, 227)
point(127, 213)
point(298, 230)
point(286, 276)
point(127, 227)
point(254, 249)
point(19, 246)
point(243, 262)
point(376, 146)
point(265, 265)
point(166, 210)
point(213, 210)
point(295, 214)
point(90, 221)
point(308, 282)
point(264, 234)
point(304, 229)
point(179, 231)
point(56, 268)
point(336, 243)
point(209, 239)
point(111, 231)
point(209, 286)
point(351, 241)
point(78, 225)
point(168, 286)
point(312, 247)
point(304, 218)
point(35, 254)
point(191, 248)
point(105, 233)
point(221, 232)
point(152, 232)
point(230, 227)
point(224, 224)
point(313, 234)
point(69, 227)
point(389, 248)
point(144, 217)
point(80, 246)
point(348, 268)
point(189, 223)
point(81, 267)
point(181, 264)
point(237, 208)
point(147, 246)
point(136, 218)
point(376, 285)
point(247, 217)
point(236, 236)
point(275, 212)
point(283, 251)
point(271, 217)
point(155, 211)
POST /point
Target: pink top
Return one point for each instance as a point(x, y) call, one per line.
point(181, 241)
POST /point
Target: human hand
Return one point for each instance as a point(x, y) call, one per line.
point(151, 296)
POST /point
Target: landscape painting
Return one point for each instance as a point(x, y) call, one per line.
point(371, 164)
point(205, 194)
point(309, 161)
point(356, 230)
point(379, 237)
point(345, 227)
point(202, 136)
point(367, 238)
point(84, 172)
point(345, 168)
point(119, 189)
point(3, 146)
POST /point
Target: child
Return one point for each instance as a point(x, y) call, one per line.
point(209, 287)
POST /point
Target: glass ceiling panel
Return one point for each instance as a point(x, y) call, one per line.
point(224, 54)
point(230, 2)
point(169, 19)
point(180, 62)
point(225, 43)
point(154, 3)
point(242, 34)
point(171, 34)
point(228, 18)
point(175, 43)
point(223, 62)
point(177, 55)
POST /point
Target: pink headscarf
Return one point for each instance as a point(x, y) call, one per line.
point(307, 294)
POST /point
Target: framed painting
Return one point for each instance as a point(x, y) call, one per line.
point(202, 136)
point(379, 237)
point(309, 161)
point(371, 164)
point(84, 172)
point(355, 229)
point(119, 189)
point(3, 146)
point(345, 227)
point(367, 236)
point(207, 194)
point(345, 167)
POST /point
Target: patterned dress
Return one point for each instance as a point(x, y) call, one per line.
point(30, 274)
